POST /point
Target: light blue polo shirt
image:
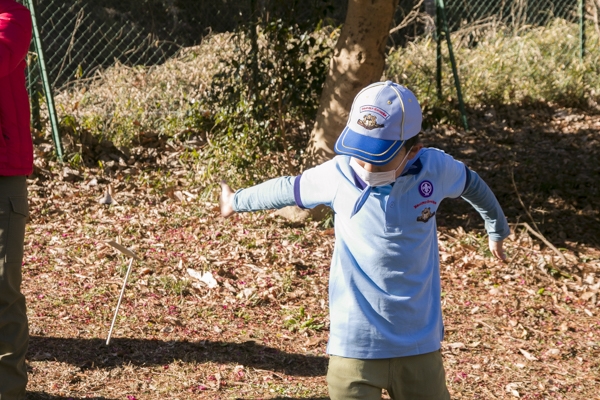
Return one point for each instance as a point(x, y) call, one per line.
point(384, 288)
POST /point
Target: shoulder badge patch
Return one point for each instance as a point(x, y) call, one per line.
point(369, 122)
point(426, 215)
point(426, 189)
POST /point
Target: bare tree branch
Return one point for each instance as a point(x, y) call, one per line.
point(412, 15)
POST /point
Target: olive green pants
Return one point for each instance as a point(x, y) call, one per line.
point(14, 332)
point(420, 377)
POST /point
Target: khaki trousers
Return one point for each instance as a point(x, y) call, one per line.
point(14, 332)
point(420, 377)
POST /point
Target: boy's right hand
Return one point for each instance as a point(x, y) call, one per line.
point(497, 249)
point(226, 200)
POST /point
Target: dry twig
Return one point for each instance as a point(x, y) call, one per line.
point(412, 15)
point(543, 239)
point(512, 177)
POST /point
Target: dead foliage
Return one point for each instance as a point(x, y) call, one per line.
point(237, 308)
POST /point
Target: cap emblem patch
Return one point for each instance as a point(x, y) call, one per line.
point(369, 122)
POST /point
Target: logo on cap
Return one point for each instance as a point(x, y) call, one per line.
point(376, 110)
point(369, 122)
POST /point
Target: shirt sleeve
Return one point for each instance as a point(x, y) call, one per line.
point(272, 194)
point(319, 185)
point(480, 196)
point(15, 36)
point(455, 177)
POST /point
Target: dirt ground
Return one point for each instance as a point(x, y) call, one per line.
point(255, 326)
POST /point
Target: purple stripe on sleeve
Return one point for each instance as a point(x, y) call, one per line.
point(297, 192)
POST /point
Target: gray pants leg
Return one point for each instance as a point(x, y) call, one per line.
point(14, 332)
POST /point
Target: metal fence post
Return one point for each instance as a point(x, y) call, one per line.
point(438, 52)
point(461, 103)
point(581, 29)
point(46, 82)
point(32, 78)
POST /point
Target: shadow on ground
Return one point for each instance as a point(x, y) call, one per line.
point(306, 398)
point(93, 353)
point(542, 164)
point(46, 396)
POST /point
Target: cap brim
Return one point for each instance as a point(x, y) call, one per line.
point(373, 151)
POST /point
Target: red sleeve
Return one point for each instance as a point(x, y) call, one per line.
point(15, 35)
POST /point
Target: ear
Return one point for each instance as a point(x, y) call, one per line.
point(414, 150)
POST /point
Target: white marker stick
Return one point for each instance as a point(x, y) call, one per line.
point(132, 256)
point(112, 325)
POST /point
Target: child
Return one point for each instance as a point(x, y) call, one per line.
point(384, 291)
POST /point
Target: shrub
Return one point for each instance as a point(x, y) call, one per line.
point(263, 99)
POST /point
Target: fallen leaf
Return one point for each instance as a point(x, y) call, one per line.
point(527, 355)
point(206, 278)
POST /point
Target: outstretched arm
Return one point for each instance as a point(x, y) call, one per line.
point(272, 194)
point(481, 197)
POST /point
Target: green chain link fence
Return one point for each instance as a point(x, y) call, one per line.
point(77, 38)
point(515, 13)
point(472, 20)
point(80, 37)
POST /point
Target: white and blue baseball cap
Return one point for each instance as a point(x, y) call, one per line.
point(383, 116)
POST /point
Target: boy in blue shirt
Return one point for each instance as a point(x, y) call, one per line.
point(384, 289)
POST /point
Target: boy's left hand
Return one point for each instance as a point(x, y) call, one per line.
point(497, 249)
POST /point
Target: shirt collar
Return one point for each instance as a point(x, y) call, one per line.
point(413, 167)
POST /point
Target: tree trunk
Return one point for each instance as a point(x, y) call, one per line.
point(357, 61)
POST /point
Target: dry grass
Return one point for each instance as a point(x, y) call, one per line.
point(121, 103)
point(498, 65)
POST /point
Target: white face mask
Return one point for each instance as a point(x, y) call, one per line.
point(374, 179)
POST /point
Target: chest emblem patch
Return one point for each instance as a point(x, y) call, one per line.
point(426, 189)
point(426, 215)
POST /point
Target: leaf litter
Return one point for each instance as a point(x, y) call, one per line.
point(237, 308)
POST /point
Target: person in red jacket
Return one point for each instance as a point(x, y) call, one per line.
point(16, 162)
